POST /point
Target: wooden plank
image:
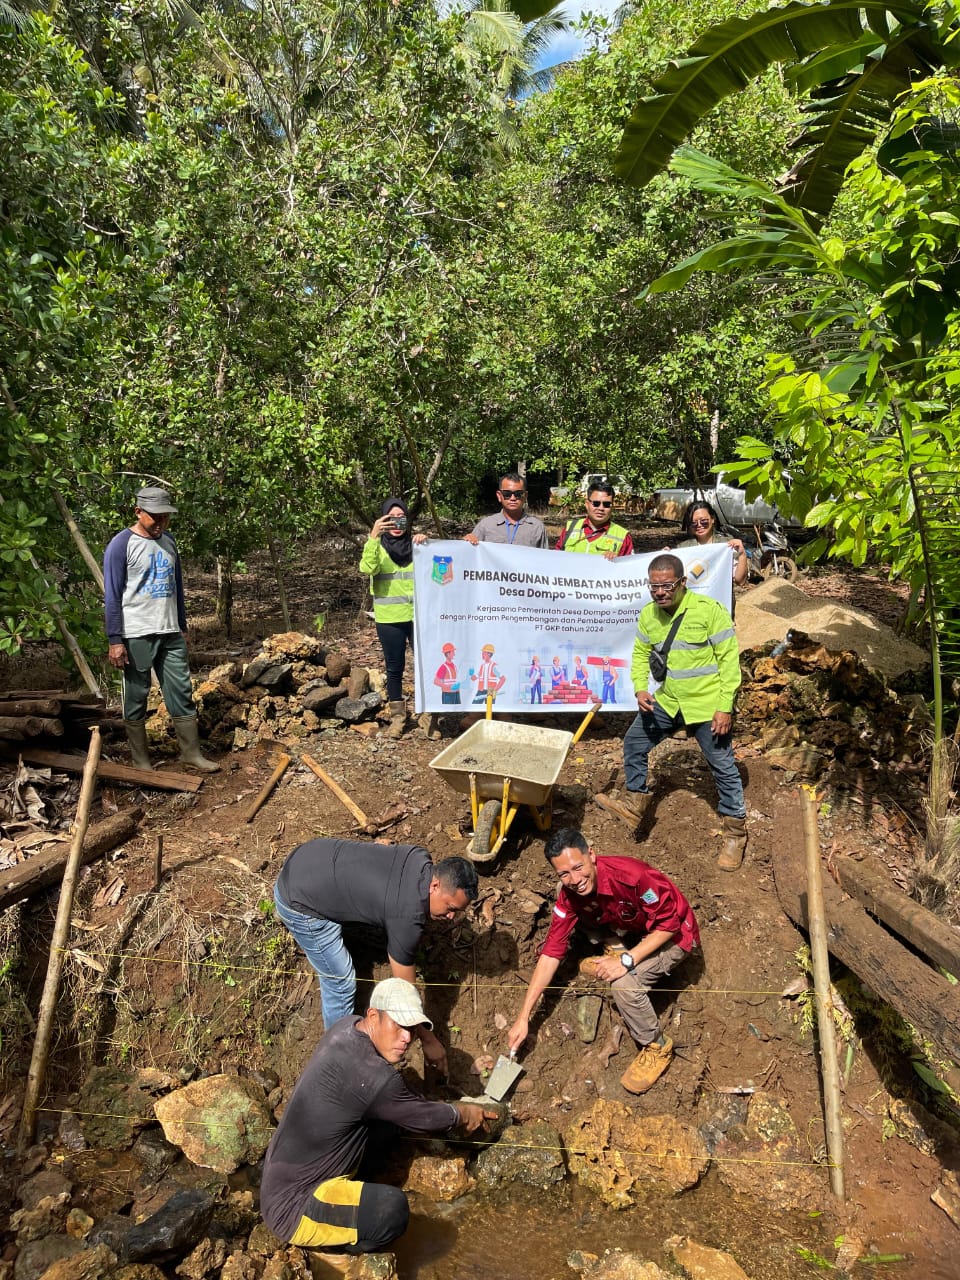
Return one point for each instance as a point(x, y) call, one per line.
point(65, 695)
point(161, 780)
point(918, 993)
point(869, 882)
point(45, 869)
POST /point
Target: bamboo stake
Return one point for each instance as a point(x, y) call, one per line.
point(821, 982)
point(158, 862)
point(61, 934)
point(263, 794)
point(339, 792)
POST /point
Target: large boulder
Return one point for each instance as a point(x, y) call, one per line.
point(618, 1154)
point(169, 1233)
point(529, 1153)
point(766, 1158)
point(219, 1122)
point(114, 1105)
point(440, 1178)
point(703, 1263)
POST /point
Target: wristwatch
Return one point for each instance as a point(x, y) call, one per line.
point(627, 961)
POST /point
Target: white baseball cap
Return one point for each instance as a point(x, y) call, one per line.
point(401, 1000)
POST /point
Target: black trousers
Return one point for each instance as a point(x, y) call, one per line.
point(393, 637)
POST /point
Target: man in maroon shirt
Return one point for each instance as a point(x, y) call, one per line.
point(638, 904)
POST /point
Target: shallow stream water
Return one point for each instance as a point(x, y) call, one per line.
point(528, 1235)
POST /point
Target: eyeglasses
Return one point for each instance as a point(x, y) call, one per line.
point(593, 503)
point(511, 493)
point(667, 587)
point(701, 524)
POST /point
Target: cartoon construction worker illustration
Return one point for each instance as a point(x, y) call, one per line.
point(580, 676)
point(535, 676)
point(610, 674)
point(446, 678)
point(558, 674)
point(487, 678)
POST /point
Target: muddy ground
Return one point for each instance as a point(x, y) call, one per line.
point(196, 973)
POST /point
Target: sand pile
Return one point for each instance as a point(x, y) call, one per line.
point(768, 611)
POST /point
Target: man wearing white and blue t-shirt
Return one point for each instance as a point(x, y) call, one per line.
point(146, 625)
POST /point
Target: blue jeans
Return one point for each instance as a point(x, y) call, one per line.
point(651, 727)
point(322, 943)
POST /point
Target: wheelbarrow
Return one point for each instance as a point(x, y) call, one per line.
point(501, 766)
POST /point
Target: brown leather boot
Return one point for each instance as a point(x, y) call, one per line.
point(734, 843)
point(647, 1067)
point(629, 806)
point(398, 720)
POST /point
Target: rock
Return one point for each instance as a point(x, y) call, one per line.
point(219, 1122)
point(349, 710)
point(766, 1158)
point(721, 1112)
point(703, 1263)
point(913, 1123)
point(35, 1158)
point(615, 1153)
point(70, 1134)
point(358, 683)
point(154, 1152)
point(36, 1257)
point(46, 1183)
point(168, 1233)
point(45, 1218)
point(589, 1009)
point(295, 645)
point(372, 1266)
point(338, 667)
point(616, 1265)
point(378, 683)
point(79, 1224)
point(113, 1107)
point(322, 699)
point(238, 1214)
point(267, 672)
point(137, 1271)
point(439, 1178)
point(263, 1243)
point(372, 701)
point(208, 1256)
point(86, 1264)
point(946, 1196)
point(802, 759)
point(226, 673)
point(280, 1267)
point(527, 1153)
point(241, 1266)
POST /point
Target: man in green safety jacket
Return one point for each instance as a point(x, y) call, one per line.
point(687, 648)
point(593, 533)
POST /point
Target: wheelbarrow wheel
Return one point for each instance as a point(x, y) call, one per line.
point(481, 847)
point(782, 567)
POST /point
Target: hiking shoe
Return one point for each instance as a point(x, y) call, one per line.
point(588, 966)
point(647, 1067)
point(734, 843)
point(629, 806)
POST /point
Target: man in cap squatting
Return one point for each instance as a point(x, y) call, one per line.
point(447, 679)
point(487, 678)
point(349, 1096)
point(146, 626)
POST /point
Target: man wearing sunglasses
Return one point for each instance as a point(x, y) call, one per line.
point(511, 525)
point(698, 690)
point(593, 533)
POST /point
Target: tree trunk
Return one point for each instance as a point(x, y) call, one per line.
point(45, 869)
point(921, 996)
point(20, 727)
point(28, 707)
point(281, 588)
point(225, 594)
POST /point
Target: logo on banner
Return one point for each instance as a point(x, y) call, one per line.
point(442, 573)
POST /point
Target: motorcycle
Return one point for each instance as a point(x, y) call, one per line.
point(770, 554)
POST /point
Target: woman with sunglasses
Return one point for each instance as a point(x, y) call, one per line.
point(701, 526)
point(388, 559)
point(593, 533)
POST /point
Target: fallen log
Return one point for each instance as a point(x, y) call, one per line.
point(45, 869)
point(31, 707)
point(867, 881)
point(64, 695)
point(918, 993)
point(19, 727)
point(162, 780)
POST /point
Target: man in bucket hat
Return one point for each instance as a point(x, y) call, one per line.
point(311, 1193)
point(146, 626)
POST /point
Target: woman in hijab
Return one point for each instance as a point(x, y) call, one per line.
point(388, 560)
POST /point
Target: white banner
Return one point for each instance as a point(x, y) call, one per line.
point(546, 630)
